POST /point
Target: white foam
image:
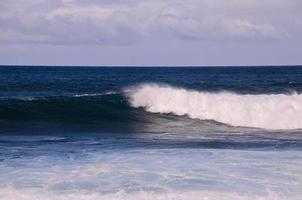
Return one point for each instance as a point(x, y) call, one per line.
point(12, 194)
point(159, 174)
point(269, 111)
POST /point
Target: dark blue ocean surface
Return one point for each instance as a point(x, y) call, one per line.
point(150, 132)
point(37, 81)
point(58, 96)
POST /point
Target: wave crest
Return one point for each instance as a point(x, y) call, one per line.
point(269, 111)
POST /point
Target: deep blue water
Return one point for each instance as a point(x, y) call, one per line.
point(103, 130)
point(28, 81)
point(59, 96)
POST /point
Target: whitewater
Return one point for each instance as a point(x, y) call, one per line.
point(268, 111)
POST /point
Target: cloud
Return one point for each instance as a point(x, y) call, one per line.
point(71, 22)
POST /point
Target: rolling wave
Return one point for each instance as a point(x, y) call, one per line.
point(99, 110)
point(268, 111)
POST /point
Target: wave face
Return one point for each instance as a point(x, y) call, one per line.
point(91, 112)
point(268, 111)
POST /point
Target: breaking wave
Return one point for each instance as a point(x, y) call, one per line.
point(268, 111)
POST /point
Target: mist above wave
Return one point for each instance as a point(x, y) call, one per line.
point(269, 111)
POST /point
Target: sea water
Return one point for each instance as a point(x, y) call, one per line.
point(150, 133)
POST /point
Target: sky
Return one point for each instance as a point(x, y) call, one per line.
point(150, 32)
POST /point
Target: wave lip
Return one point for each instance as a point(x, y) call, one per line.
point(268, 111)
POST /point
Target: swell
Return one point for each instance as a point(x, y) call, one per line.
point(104, 112)
point(113, 110)
point(268, 111)
point(87, 112)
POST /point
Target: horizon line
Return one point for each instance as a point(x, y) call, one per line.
point(150, 66)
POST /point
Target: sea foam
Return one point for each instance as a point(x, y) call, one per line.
point(268, 111)
point(11, 194)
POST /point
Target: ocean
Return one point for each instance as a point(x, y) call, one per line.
point(150, 133)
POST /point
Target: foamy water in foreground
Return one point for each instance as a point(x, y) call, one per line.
point(84, 169)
